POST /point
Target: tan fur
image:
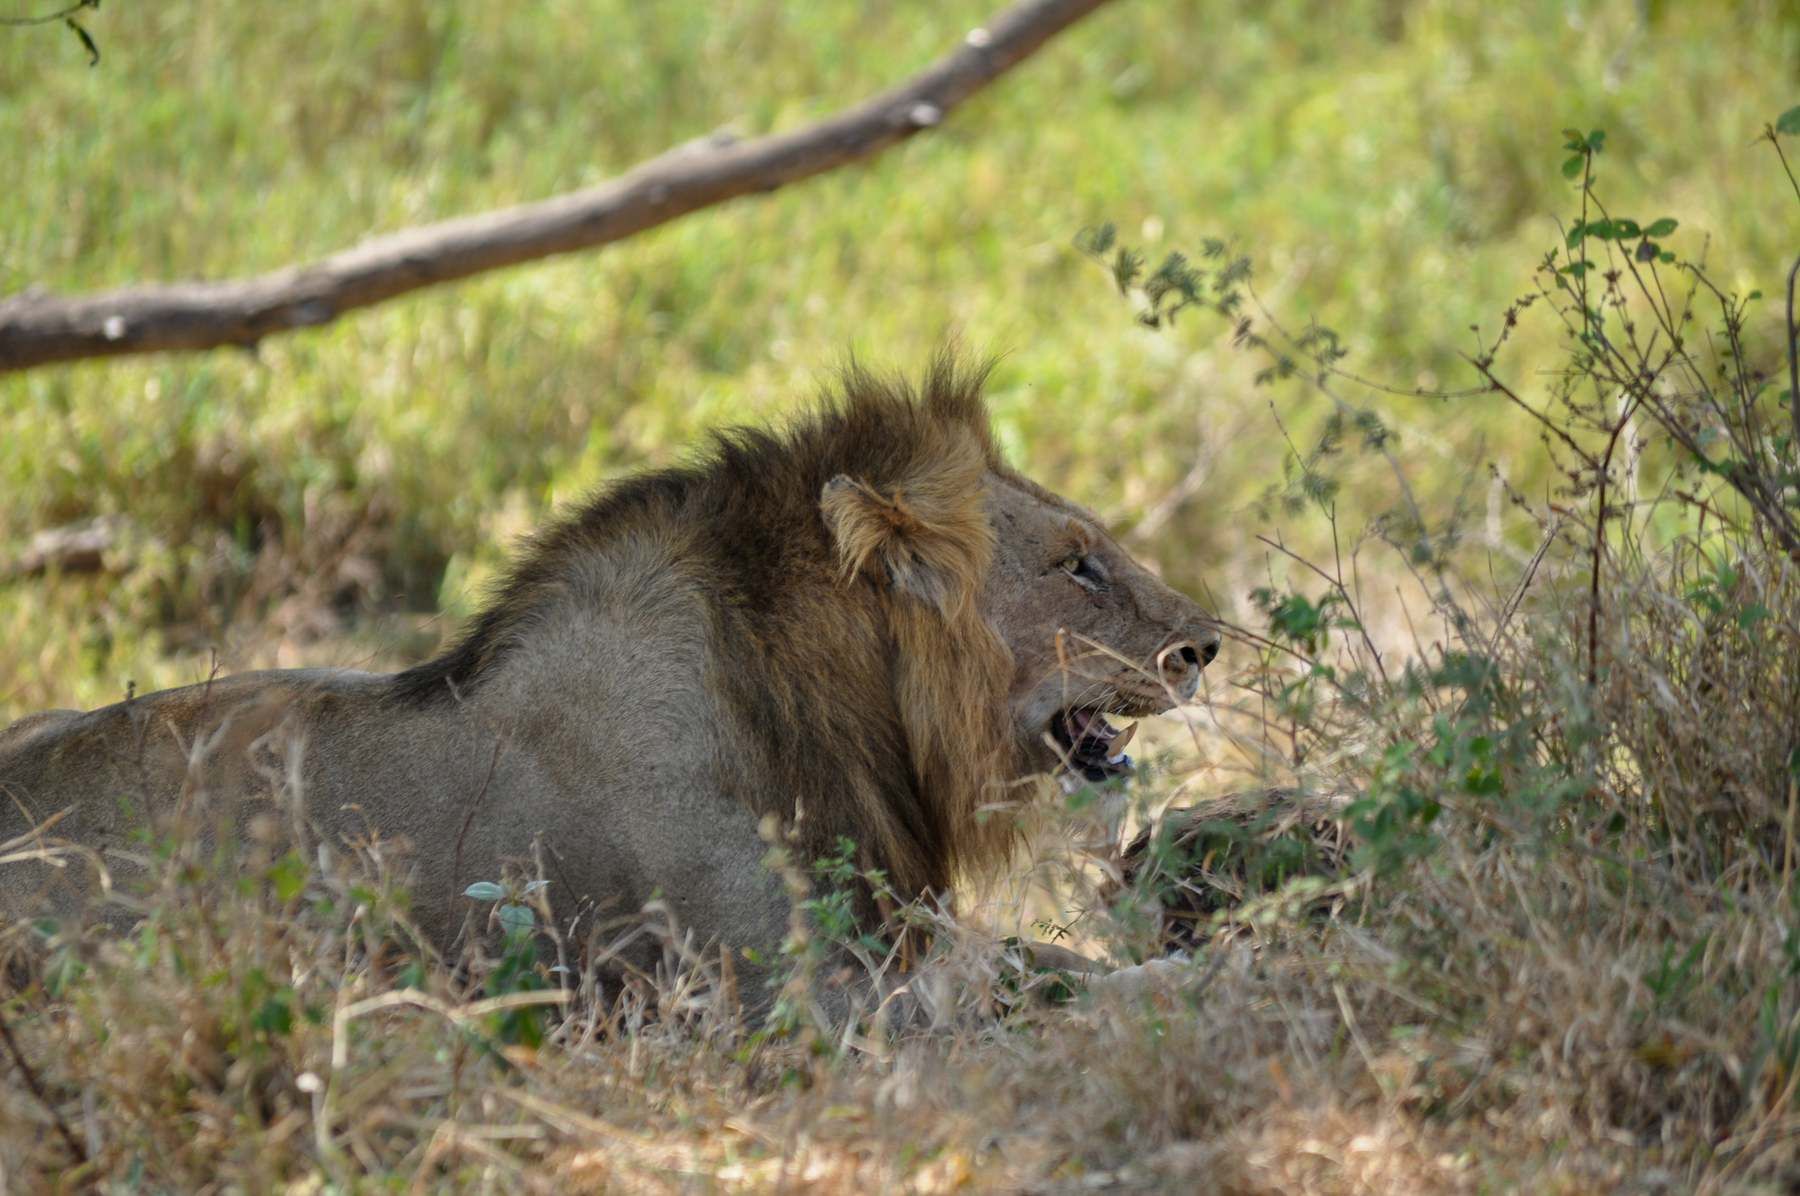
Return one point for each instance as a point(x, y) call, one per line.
point(860, 626)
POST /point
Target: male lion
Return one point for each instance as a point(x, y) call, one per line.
point(869, 626)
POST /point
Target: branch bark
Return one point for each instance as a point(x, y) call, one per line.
point(38, 328)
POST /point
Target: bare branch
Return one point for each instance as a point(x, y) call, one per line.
point(37, 328)
point(49, 18)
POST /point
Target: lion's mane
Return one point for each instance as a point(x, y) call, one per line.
point(841, 563)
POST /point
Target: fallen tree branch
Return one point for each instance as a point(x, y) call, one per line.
point(37, 328)
point(49, 18)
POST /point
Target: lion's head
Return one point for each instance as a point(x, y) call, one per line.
point(1091, 631)
point(1021, 623)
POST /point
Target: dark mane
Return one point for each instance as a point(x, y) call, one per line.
point(741, 501)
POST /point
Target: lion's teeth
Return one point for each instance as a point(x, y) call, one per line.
point(1122, 738)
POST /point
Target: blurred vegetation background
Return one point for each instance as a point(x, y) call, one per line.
point(1391, 168)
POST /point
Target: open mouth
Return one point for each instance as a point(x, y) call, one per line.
point(1091, 748)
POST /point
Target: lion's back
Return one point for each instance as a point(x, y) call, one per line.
point(16, 735)
point(77, 785)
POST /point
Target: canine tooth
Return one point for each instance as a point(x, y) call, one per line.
point(1121, 738)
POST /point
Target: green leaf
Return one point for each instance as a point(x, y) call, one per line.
point(1624, 230)
point(1572, 167)
point(1661, 228)
point(1576, 233)
point(1665, 256)
point(276, 1015)
point(1789, 121)
point(1127, 265)
point(1096, 241)
point(1596, 140)
point(288, 875)
point(517, 919)
point(484, 890)
point(64, 971)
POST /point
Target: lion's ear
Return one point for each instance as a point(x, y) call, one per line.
point(929, 540)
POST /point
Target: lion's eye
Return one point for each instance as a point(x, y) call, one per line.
point(1085, 570)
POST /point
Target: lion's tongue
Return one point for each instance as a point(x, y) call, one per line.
point(1096, 747)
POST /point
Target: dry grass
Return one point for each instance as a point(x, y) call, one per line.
point(1576, 991)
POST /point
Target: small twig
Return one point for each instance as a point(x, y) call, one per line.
point(1775, 140)
point(1793, 348)
point(1511, 607)
point(1336, 371)
point(1604, 474)
point(37, 1090)
point(469, 816)
point(1544, 421)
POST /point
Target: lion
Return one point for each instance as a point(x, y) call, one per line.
point(868, 626)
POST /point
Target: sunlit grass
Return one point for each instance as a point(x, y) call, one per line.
point(1392, 170)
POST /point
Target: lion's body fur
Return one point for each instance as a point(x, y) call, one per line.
point(797, 625)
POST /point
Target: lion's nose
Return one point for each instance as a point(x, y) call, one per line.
point(1200, 655)
point(1195, 653)
point(1184, 657)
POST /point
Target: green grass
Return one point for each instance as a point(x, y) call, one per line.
point(1391, 168)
